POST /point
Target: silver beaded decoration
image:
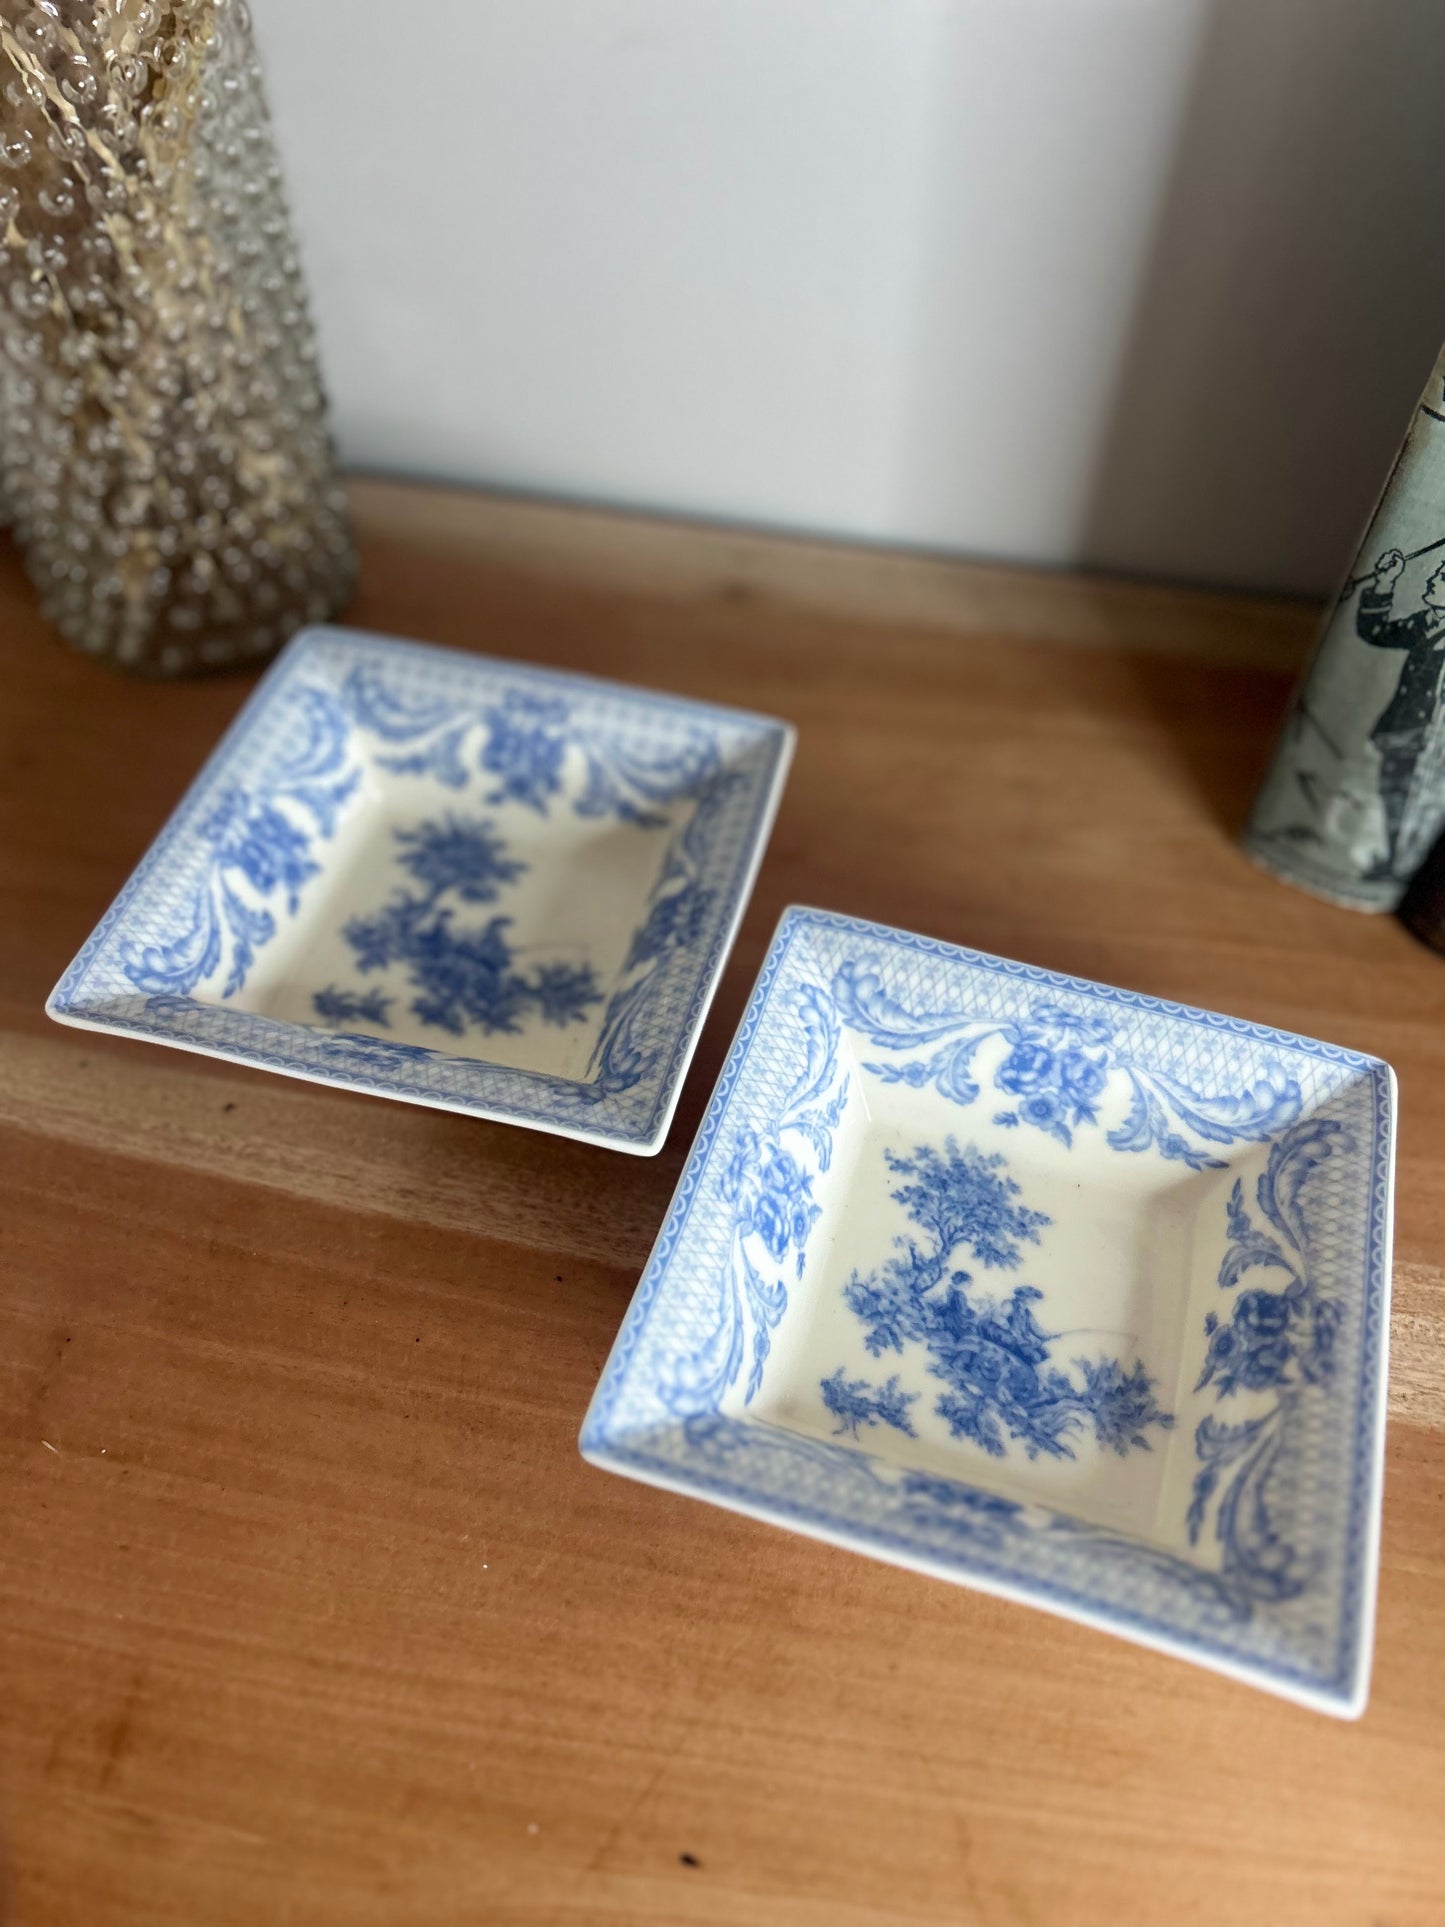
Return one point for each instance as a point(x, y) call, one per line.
point(164, 452)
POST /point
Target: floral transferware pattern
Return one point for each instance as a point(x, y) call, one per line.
point(1274, 1345)
point(462, 974)
point(1003, 1380)
point(258, 839)
point(1056, 1066)
point(771, 1191)
point(342, 719)
point(520, 743)
point(1264, 1564)
point(770, 1195)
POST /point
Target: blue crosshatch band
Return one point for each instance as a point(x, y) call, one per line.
point(1267, 1571)
point(341, 713)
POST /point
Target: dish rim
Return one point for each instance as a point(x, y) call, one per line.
point(1345, 1695)
point(66, 1005)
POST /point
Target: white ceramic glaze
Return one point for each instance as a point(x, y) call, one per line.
point(1056, 1290)
point(438, 877)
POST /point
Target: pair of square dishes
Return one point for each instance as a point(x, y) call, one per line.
point(1059, 1291)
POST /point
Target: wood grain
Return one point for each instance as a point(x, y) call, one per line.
point(309, 1612)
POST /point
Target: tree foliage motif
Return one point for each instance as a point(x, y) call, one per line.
point(463, 974)
point(995, 1359)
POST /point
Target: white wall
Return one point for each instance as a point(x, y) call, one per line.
point(1149, 284)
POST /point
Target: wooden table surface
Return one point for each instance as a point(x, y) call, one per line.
point(310, 1612)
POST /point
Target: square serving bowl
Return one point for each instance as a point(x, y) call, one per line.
point(1058, 1291)
point(438, 877)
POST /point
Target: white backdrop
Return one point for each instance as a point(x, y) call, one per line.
point(1147, 284)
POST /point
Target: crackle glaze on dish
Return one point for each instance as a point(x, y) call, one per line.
point(438, 877)
point(1052, 1289)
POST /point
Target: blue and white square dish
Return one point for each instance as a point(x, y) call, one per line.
point(1058, 1291)
point(465, 883)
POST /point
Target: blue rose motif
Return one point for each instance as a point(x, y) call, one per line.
point(265, 846)
point(783, 1213)
point(520, 751)
point(1253, 1352)
point(771, 1221)
point(1261, 1314)
point(743, 1160)
point(1028, 1066)
point(1264, 1365)
point(1223, 1344)
point(1083, 1077)
point(1044, 1109)
point(1223, 1359)
point(773, 1193)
